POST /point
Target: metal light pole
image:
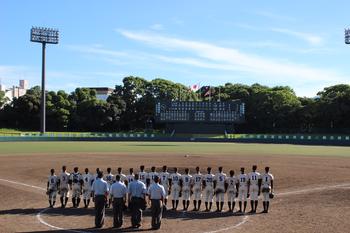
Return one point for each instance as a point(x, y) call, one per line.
point(43, 36)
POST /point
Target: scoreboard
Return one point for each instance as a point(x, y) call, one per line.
point(200, 111)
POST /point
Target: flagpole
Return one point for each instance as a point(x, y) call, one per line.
point(209, 93)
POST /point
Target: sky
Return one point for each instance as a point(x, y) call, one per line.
point(295, 43)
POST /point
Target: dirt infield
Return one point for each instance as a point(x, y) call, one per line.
point(322, 205)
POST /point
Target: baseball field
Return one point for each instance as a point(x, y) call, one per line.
point(312, 184)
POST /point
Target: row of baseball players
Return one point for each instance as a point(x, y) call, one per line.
point(185, 186)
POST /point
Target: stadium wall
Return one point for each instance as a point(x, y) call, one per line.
point(337, 140)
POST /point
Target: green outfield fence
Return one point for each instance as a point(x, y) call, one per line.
point(305, 139)
point(52, 136)
point(290, 137)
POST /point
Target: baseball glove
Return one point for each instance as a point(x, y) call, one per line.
point(48, 192)
point(271, 195)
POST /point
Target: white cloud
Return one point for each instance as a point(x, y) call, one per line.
point(91, 49)
point(211, 56)
point(274, 16)
point(59, 80)
point(177, 21)
point(10, 75)
point(224, 61)
point(308, 37)
point(157, 27)
point(232, 57)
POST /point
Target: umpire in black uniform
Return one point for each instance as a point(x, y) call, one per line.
point(118, 191)
point(156, 194)
point(100, 193)
point(137, 191)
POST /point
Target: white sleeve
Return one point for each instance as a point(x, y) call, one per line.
point(163, 190)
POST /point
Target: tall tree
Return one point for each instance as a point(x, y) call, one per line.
point(3, 99)
point(24, 111)
point(334, 108)
point(59, 108)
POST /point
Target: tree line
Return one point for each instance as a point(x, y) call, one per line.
point(131, 105)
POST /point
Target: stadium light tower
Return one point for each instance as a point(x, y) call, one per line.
point(347, 36)
point(43, 36)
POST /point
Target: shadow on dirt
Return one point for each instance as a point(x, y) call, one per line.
point(169, 214)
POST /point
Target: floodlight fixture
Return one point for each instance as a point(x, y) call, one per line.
point(44, 36)
point(347, 36)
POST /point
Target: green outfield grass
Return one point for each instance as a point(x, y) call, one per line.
point(8, 148)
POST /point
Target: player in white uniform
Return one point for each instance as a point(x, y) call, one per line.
point(267, 188)
point(232, 190)
point(76, 182)
point(219, 187)
point(254, 188)
point(88, 180)
point(122, 176)
point(243, 190)
point(130, 178)
point(143, 174)
point(52, 187)
point(175, 188)
point(219, 183)
point(150, 176)
point(63, 179)
point(197, 181)
point(208, 181)
point(164, 180)
point(109, 178)
point(186, 189)
point(96, 175)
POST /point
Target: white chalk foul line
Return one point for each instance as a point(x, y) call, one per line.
point(23, 184)
point(315, 189)
point(301, 191)
point(38, 215)
point(244, 220)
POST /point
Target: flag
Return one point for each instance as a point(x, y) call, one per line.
point(194, 87)
point(206, 90)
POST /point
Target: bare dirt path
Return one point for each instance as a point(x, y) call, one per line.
point(322, 210)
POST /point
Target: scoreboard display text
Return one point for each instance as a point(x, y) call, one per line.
point(203, 111)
